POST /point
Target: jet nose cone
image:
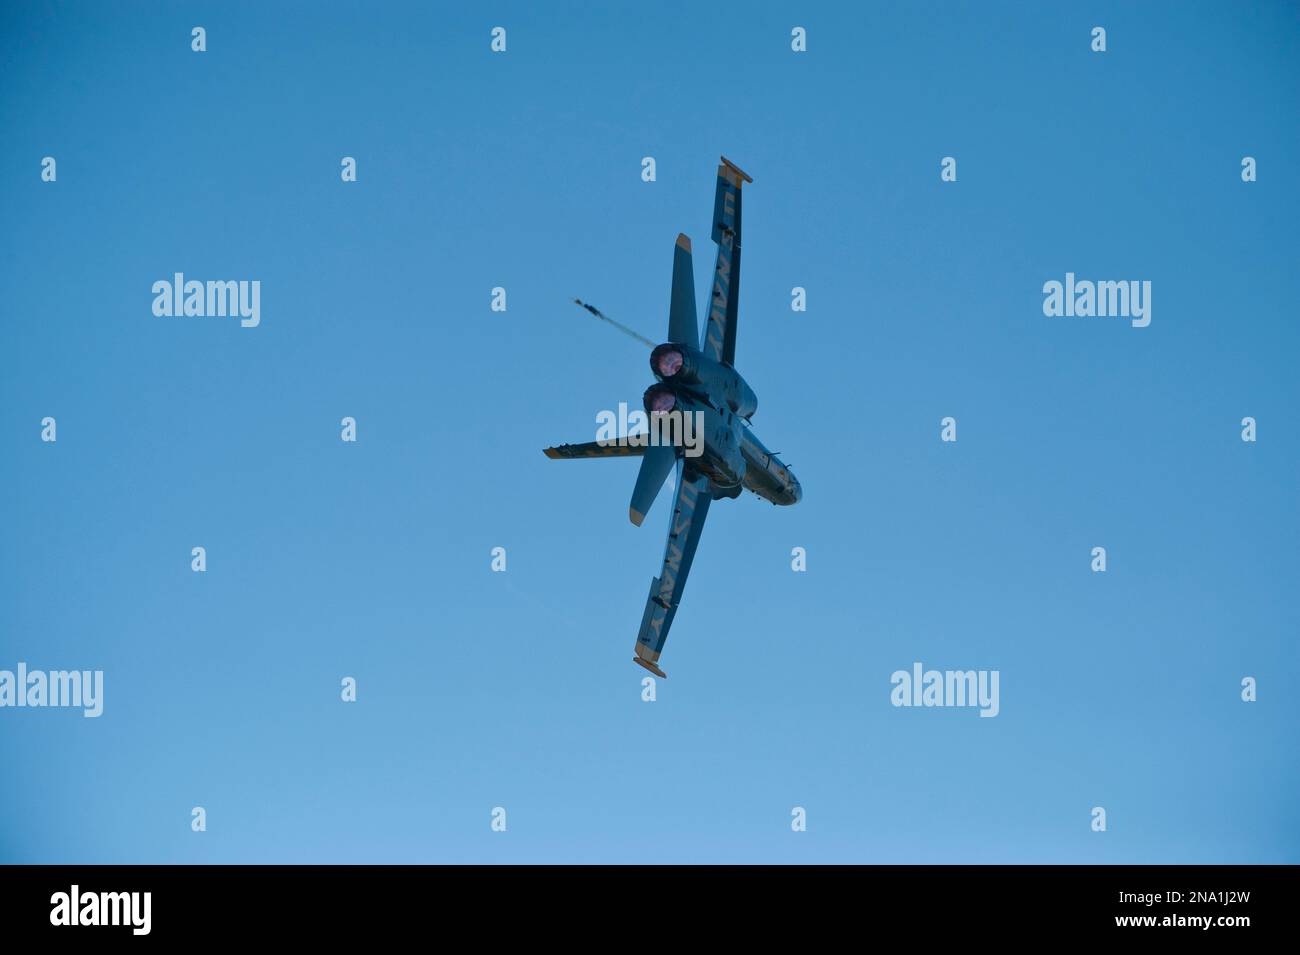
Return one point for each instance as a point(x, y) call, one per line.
point(796, 490)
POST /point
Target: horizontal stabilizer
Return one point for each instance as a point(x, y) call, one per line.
point(655, 468)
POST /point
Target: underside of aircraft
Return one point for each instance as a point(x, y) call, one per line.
point(695, 376)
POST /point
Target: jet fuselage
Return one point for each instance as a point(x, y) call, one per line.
point(733, 457)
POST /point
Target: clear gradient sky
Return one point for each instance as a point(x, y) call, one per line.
point(522, 170)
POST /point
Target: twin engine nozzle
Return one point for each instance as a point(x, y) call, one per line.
point(682, 368)
point(670, 360)
point(666, 361)
point(659, 398)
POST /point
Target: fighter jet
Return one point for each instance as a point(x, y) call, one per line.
point(693, 378)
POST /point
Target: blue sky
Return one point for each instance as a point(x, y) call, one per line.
point(522, 170)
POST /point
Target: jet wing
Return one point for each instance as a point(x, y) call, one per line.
point(692, 506)
point(720, 329)
point(593, 449)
